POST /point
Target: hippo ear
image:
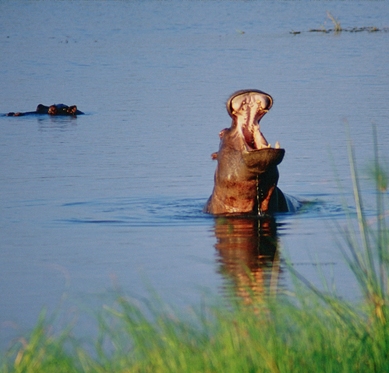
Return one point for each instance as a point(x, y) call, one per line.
point(260, 161)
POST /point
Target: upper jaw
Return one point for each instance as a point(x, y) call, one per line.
point(247, 107)
point(236, 100)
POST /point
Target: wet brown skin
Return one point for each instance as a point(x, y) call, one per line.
point(246, 175)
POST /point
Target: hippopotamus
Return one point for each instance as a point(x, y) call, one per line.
point(59, 109)
point(246, 175)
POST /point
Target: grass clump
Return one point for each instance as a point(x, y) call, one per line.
point(335, 22)
point(281, 336)
point(309, 331)
point(337, 28)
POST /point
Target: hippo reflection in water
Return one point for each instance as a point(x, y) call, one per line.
point(246, 175)
point(248, 256)
point(59, 109)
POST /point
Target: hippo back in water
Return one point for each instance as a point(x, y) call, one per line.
point(56, 109)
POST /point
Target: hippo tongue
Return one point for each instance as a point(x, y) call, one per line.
point(261, 160)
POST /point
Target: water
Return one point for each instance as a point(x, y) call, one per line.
point(114, 197)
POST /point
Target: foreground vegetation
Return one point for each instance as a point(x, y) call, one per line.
point(307, 331)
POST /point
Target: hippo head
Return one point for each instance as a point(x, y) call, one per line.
point(246, 108)
point(246, 175)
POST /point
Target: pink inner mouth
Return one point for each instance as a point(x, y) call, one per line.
point(247, 108)
point(253, 136)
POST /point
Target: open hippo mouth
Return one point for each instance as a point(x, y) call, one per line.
point(246, 174)
point(247, 107)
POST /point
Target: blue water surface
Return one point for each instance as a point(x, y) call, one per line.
point(114, 197)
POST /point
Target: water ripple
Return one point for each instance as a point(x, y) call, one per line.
point(170, 211)
point(135, 212)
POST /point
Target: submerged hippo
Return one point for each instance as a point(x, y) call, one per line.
point(246, 175)
point(59, 109)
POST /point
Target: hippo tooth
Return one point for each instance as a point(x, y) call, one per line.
point(277, 145)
